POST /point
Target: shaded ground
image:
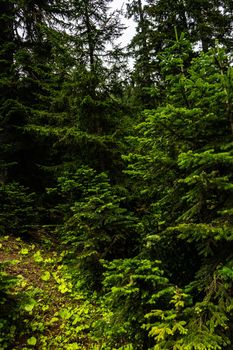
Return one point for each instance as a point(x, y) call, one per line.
point(41, 311)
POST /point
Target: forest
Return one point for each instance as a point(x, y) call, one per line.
point(116, 175)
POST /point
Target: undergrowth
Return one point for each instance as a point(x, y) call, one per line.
point(40, 306)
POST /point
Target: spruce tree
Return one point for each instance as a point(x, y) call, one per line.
point(7, 88)
point(182, 162)
point(86, 113)
point(142, 52)
point(26, 57)
point(203, 22)
point(26, 50)
point(159, 22)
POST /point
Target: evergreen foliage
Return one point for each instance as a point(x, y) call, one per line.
point(95, 225)
point(132, 287)
point(28, 48)
point(183, 161)
point(118, 187)
point(203, 22)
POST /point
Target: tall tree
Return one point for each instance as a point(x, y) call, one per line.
point(159, 22)
point(6, 80)
point(90, 96)
point(141, 50)
point(183, 164)
point(204, 21)
point(25, 54)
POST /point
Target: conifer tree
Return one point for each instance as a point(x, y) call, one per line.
point(6, 81)
point(141, 50)
point(24, 66)
point(97, 28)
point(159, 22)
point(25, 71)
point(183, 161)
point(203, 21)
point(89, 99)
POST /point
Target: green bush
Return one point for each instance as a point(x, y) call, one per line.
point(95, 223)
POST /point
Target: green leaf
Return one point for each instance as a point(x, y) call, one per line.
point(24, 251)
point(30, 305)
point(32, 341)
point(65, 314)
point(45, 307)
point(45, 276)
point(37, 257)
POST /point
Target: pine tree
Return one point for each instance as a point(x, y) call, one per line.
point(25, 69)
point(26, 51)
point(142, 52)
point(6, 81)
point(203, 22)
point(158, 23)
point(183, 161)
point(96, 106)
point(86, 113)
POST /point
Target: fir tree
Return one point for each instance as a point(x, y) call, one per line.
point(158, 23)
point(26, 50)
point(86, 113)
point(183, 163)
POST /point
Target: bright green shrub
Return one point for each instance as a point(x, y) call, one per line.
point(132, 287)
point(96, 225)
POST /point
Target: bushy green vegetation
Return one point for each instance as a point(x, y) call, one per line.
point(39, 306)
point(116, 206)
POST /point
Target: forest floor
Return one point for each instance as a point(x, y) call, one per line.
point(40, 309)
